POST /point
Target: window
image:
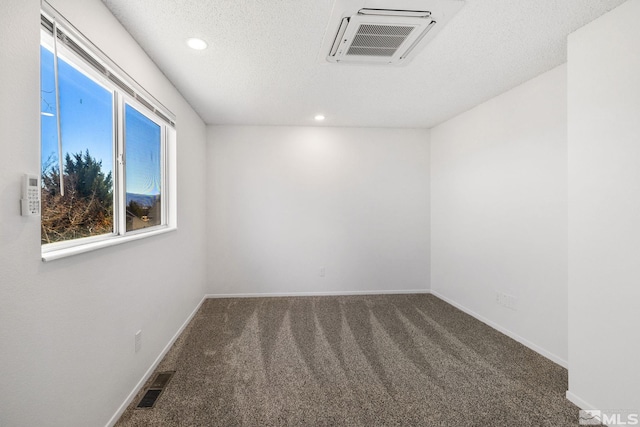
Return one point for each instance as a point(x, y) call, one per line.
point(108, 173)
point(143, 142)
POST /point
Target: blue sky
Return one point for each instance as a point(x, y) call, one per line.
point(142, 137)
point(87, 123)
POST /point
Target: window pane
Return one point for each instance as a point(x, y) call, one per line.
point(143, 170)
point(86, 116)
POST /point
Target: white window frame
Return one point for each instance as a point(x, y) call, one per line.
point(122, 101)
point(135, 96)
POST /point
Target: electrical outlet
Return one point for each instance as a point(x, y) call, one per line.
point(322, 271)
point(138, 340)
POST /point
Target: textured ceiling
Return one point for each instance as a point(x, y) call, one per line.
point(263, 65)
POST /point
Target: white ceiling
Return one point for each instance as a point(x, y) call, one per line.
point(264, 62)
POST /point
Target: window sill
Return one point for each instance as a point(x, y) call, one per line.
point(54, 254)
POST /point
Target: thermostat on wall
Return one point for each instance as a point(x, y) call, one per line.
point(30, 202)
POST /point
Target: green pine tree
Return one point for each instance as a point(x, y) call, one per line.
point(86, 209)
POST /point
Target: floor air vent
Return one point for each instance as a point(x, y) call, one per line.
point(155, 390)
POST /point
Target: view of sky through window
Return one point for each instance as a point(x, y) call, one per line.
point(143, 170)
point(86, 112)
point(143, 153)
point(86, 125)
point(88, 147)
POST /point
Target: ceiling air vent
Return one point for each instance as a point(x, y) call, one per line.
point(386, 36)
point(379, 38)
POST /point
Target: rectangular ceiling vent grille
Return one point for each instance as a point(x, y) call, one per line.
point(383, 35)
point(385, 30)
point(378, 40)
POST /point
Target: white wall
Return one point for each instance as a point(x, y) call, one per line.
point(287, 201)
point(67, 327)
point(604, 211)
point(499, 206)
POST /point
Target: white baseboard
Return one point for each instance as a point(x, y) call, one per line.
point(114, 419)
point(570, 396)
point(312, 294)
point(554, 358)
point(578, 401)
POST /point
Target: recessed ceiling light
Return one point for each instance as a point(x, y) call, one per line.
point(319, 117)
point(197, 44)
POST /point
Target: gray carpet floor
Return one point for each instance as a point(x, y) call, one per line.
point(392, 360)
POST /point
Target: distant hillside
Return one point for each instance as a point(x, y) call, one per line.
point(143, 199)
